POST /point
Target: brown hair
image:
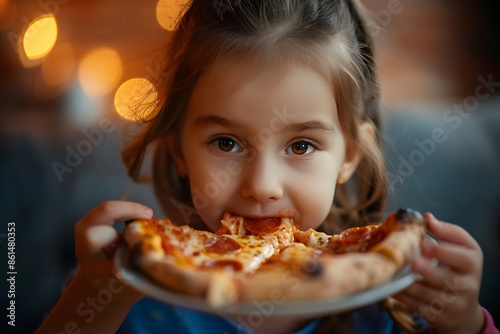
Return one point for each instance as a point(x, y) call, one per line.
point(324, 34)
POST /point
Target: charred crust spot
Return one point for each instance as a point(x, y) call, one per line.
point(409, 216)
point(401, 214)
point(358, 264)
point(313, 268)
point(135, 256)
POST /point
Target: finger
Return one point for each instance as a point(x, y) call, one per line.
point(412, 304)
point(102, 241)
point(449, 232)
point(96, 239)
point(420, 292)
point(457, 258)
point(109, 212)
point(428, 311)
point(432, 275)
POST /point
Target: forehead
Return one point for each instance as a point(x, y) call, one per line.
point(251, 88)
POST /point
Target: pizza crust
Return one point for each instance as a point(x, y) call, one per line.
point(400, 246)
point(182, 279)
point(325, 278)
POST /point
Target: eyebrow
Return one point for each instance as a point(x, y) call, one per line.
point(210, 120)
point(311, 125)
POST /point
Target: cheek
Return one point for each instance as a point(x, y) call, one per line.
point(211, 193)
point(314, 196)
point(315, 204)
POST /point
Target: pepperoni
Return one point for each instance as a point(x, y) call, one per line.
point(366, 237)
point(260, 227)
point(221, 264)
point(355, 235)
point(222, 245)
point(378, 235)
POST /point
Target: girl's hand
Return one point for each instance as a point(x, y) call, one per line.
point(447, 296)
point(96, 243)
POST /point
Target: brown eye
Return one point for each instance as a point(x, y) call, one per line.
point(227, 144)
point(300, 147)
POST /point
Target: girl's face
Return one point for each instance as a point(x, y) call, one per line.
point(263, 145)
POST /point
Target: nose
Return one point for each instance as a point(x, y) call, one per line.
point(262, 179)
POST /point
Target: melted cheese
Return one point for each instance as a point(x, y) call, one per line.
point(234, 224)
point(286, 232)
point(280, 238)
point(296, 251)
point(313, 239)
point(254, 250)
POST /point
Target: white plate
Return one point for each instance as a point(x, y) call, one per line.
point(398, 282)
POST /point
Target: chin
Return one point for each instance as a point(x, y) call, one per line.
point(211, 220)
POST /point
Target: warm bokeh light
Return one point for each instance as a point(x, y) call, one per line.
point(169, 11)
point(100, 71)
point(136, 99)
point(8, 13)
point(58, 67)
point(40, 37)
point(3, 6)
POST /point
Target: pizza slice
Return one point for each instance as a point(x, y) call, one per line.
point(250, 259)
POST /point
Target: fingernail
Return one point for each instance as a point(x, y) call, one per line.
point(429, 216)
point(148, 211)
point(418, 264)
point(428, 248)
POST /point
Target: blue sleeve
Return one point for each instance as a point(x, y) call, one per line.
point(151, 316)
point(375, 319)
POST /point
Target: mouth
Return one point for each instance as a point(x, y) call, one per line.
point(283, 213)
point(257, 224)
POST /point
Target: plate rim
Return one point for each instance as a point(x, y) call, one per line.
point(399, 281)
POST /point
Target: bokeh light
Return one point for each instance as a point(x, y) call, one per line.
point(40, 37)
point(169, 11)
point(8, 13)
point(100, 71)
point(4, 4)
point(58, 66)
point(136, 99)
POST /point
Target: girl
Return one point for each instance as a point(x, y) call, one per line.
point(270, 107)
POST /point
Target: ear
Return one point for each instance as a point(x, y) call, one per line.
point(353, 154)
point(175, 151)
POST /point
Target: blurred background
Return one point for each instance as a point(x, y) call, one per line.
point(71, 70)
